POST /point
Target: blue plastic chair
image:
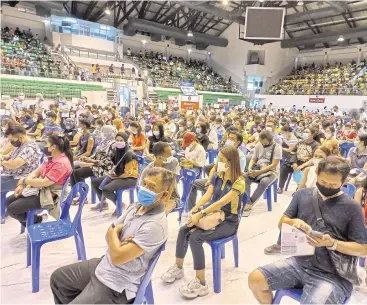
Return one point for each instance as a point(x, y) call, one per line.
point(145, 292)
point(349, 189)
point(220, 138)
point(188, 177)
point(141, 161)
point(362, 261)
point(344, 148)
point(218, 252)
point(267, 194)
point(30, 214)
point(295, 294)
point(212, 153)
point(40, 234)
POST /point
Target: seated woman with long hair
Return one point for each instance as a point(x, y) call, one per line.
point(224, 193)
point(123, 173)
point(52, 174)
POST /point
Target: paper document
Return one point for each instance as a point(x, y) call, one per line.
point(294, 242)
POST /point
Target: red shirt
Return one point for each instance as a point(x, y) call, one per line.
point(57, 170)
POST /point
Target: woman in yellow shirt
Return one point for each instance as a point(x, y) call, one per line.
point(38, 126)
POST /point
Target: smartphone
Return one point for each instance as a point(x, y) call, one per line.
point(316, 233)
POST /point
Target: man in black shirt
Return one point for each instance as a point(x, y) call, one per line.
point(344, 232)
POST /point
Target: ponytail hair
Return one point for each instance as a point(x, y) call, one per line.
point(63, 145)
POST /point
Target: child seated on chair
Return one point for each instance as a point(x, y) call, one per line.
point(225, 192)
point(133, 241)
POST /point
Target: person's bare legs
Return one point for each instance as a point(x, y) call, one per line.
point(200, 274)
point(179, 262)
point(259, 287)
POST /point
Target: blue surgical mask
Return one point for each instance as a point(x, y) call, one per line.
point(305, 135)
point(356, 143)
point(146, 197)
point(48, 121)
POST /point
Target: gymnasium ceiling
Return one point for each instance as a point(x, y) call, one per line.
point(304, 18)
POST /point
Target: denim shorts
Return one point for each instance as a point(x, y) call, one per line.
point(289, 273)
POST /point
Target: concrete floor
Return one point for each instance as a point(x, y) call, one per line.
point(255, 233)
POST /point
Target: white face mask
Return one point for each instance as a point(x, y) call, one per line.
point(221, 167)
point(328, 135)
point(156, 133)
point(316, 162)
point(269, 129)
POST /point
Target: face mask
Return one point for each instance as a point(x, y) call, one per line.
point(221, 167)
point(134, 131)
point(46, 151)
point(181, 128)
point(229, 143)
point(68, 127)
point(72, 116)
point(48, 121)
point(189, 124)
point(316, 162)
point(120, 145)
point(149, 133)
point(327, 192)
point(198, 130)
point(109, 116)
point(328, 135)
point(339, 122)
point(305, 135)
point(269, 129)
point(156, 133)
point(95, 116)
point(16, 143)
point(356, 143)
point(80, 130)
point(146, 197)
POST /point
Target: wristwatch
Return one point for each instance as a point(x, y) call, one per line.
point(333, 247)
point(203, 212)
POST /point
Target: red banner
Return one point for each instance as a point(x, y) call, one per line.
point(316, 100)
point(190, 105)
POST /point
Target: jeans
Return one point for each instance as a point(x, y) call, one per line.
point(198, 237)
point(18, 207)
point(109, 189)
point(78, 284)
point(8, 183)
point(317, 289)
point(262, 185)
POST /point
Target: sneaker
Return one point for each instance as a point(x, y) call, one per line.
point(280, 190)
point(272, 250)
point(172, 274)
point(247, 210)
point(95, 207)
point(43, 215)
point(194, 289)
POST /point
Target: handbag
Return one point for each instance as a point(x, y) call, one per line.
point(345, 265)
point(210, 221)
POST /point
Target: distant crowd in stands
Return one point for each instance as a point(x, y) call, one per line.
point(170, 71)
point(312, 79)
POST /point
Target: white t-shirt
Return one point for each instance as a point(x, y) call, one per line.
point(213, 138)
point(198, 154)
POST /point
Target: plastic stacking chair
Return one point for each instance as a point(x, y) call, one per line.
point(267, 194)
point(212, 155)
point(40, 234)
point(218, 252)
point(145, 292)
point(344, 148)
point(32, 213)
point(3, 199)
point(349, 189)
point(141, 161)
point(188, 176)
point(295, 294)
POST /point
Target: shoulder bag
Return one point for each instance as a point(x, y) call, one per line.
point(345, 265)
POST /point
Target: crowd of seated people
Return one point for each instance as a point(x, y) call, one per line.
point(170, 71)
point(255, 147)
point(312, 79)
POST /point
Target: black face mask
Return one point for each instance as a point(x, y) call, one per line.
point(268, 145)
point(16, 143)
point(46, 151)
point(327, 192)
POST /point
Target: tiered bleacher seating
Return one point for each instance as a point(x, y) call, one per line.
point(30, 88)
point(337, 79)
point(169, 72)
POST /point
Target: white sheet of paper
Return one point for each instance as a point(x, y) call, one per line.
point(294, 242)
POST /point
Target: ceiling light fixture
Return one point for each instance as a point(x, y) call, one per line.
point(189, 50)
point(225, 2)
point(144, 41)
point(107, 11)
point(209, 53)
point(341, 38)
point(190, 34)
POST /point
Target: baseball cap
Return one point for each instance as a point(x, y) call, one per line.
point(188, 138)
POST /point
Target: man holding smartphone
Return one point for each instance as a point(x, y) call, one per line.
point(344, 232)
